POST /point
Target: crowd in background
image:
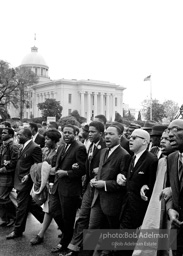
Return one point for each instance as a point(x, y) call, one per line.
point(108, 175)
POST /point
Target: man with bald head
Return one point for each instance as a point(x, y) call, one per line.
point(175, 174)
point(141, 177)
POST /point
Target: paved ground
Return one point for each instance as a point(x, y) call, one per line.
point(21, 246)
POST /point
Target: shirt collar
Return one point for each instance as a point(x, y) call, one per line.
point(34, 136)
point(138, 155)
point(111, 150)
point(26, 143)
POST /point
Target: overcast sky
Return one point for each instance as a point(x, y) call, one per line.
point(119, 41)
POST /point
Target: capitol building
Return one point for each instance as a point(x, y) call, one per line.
point(89, 97)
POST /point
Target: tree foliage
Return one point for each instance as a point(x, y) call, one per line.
point(68, 120)
point(118, 118)
point(171, 108)
point(139, 117)
point(158, 110)
point(13, 83)
point(8, 87)
point(79, 118)
point(127, 115)
point(51, 107)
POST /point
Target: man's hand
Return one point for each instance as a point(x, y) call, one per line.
point(166, 193)
point(52, 171)
point(98, 183)
point(61, 173)
point(75, 166)
point(25, 178)
point(174, 218)
point(95, 170)
point(143, 191)
point(121, 179)
point(92, 181)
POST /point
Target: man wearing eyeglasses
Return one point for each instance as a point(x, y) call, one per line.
point(139, 182)
point(175, 173)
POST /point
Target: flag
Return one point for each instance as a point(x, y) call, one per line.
point(148, 78)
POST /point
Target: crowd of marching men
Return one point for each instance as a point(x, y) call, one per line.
point(110, 177)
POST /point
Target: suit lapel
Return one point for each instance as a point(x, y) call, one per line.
point(68, 150)
point(26, 147)
point(138, 163)
point(116, 151)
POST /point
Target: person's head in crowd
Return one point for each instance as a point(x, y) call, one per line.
point(165, 143)
point(44, 125)
point(24, 135)
point(53, 125)
point(119, 125)
point(139, 141)
point(96, 131)
point(80, 136)
point(156, 134)
point(7, 124)
point(33, 127)
point(175, 133)
point(130, 129)
point(69, 133)
point(15, 127)
point(85, 131)
point(52, 137)
point(76, 130)
point(101, 118)
point(7, 133)
point(113, 135)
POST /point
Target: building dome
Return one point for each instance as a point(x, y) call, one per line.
point(37, 64)
point(34, 58)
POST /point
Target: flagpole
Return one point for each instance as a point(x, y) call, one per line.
point(150, 98)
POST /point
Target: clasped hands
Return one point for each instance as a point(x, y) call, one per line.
point(97, 183)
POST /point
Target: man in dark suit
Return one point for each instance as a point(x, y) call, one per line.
point(67, 188)
point(175, 174)
point(8, 159)
point(108, 195)
point(96, 130)
point(36, 137)
point(30, 154)
point(140, 180)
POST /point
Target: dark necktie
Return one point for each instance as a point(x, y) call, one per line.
point(132, 163)
point(106, 155)
point(180, 167)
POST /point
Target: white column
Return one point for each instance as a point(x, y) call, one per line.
point(89, 108)
point(95, 103)
point(37, 114)
point(82, 104)
point(101, 103)
point(34, 103)
point(107, 107)
point(113, 107)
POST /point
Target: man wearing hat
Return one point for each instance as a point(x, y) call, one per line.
point(156, 134)
point(130, 129)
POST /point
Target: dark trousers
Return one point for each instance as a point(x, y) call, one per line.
point(83, 220)
point(66, 208)
point(99, 220)
point(26, 205)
